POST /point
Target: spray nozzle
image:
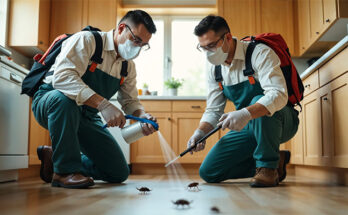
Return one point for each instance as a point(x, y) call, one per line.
point(153, 123)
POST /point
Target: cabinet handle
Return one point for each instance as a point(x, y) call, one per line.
point(303, 47)
point(328, 20)
point(325, 98)
point(169, 118)
point(307, 85)
point(317, 32)
point(195, 106)
point(41, 42)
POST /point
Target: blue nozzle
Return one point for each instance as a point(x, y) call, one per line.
point(153, 123)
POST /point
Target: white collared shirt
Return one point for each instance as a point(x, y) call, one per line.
point(266, 65)
point(73, 60)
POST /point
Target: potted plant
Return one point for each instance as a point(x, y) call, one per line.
point(145, 88)
point(173, 85)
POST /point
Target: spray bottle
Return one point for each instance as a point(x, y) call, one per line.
point(134, 131)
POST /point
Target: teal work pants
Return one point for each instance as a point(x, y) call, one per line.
point(237, 154)
point(79, 142)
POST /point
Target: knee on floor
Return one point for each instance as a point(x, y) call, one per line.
point(118, 176)
point(209, 176)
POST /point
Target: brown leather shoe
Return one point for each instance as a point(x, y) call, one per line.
point(46, 170)
point(75, 180)
point(265, 177)
point(284, 158)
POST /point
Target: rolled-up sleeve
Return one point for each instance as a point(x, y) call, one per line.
point(216, 101)
point(127, 96)
point(267, 64)
point(70, 66)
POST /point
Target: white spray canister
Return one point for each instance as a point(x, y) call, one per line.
point(134, 131)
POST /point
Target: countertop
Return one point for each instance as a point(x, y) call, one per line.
point(4, 60)
point(326, 57)
point(172, 98)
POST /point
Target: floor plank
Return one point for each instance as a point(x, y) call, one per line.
point(295, 196)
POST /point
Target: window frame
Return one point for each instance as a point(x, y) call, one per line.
point(4, 4)
point(167, 54)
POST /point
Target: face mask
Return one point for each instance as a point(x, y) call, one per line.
point(128, 51)
point(218, 57)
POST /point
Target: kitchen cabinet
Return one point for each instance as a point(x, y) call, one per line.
point(277, 17)
point(177, 121)
point(252, 17)
point(297, 143)
point(322, 137)
point(314, 19)
point(71, 16)
point(38, 136)
point(29, 26)
point(241, 16)
point(303, 26)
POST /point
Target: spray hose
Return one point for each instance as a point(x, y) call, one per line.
point(153, 123)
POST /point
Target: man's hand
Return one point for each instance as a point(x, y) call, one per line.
point(111, 114)
point(148, 128)
point(198, 134)
point(235, 120)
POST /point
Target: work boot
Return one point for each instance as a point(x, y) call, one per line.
point(284, 158)
point(74, 181)
point(46, 170)
point(265, 177)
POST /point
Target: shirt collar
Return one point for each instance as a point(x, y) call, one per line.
point(109, 45)
point(239, 53)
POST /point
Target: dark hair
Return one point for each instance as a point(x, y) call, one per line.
point(211, 22)
point(140, 17)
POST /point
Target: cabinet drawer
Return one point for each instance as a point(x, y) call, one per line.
point(158, 106)
point(311, 83)
point(189, 106)
point(334, 68)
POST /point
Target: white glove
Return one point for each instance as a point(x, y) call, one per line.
point(198, 134)
point(111, 114)
point(235, 120)
point(148, 128)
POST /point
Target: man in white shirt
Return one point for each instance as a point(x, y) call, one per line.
point(68, 102)
point(262, 120)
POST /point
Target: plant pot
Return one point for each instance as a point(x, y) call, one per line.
point(145, 90)
point(173, 91)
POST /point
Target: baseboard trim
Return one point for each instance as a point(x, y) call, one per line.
point(159, 169)
point(327, 175)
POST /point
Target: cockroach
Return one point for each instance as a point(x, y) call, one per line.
point(193, 185)
point(182, 202)
point(143, 190)
point(215, 209)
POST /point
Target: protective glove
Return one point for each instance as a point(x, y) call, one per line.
point(235, 120)
point(148, 128)
point(198, 134)
point(111, 114)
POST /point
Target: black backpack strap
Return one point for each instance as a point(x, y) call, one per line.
point(218, 76)
point(124, 71)
point(96, 58)
point(248, 71)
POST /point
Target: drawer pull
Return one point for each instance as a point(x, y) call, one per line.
point(328, 20)
point(195, 106)
point(317, 32)
point(169, 118)
point(325, 98)
point(307, 85)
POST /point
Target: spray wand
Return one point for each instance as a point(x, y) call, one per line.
point(194, 146)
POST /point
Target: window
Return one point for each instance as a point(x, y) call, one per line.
point(173, 53)
point(3, 21)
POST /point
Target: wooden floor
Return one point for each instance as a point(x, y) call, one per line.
point(295, 196)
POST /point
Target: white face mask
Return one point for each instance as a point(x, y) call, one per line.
point(128, 51)
point(218, 57)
